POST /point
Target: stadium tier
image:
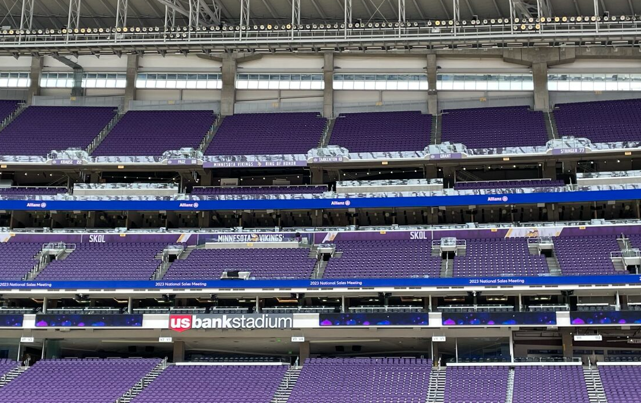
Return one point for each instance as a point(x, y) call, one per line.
point(616, 380)
point(151, 133)
point(214, 384)
point(261, 263)
point(7, 365)
point(249, 190)
point(267, 133)
point(10, 192)
point(584, 255)
point(516, 126)
point(601, 122)
point(498, 257)
point(7, 108)
point(358, 380)
point(18, 259)
point(382, 131)
point(77, 381)
point(367, 259)
point(101, 261)
point(549, 384)
point(478, 384)
point(532, 183)
point(40, 129)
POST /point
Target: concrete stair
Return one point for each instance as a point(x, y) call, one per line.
point(11, 375)
point(286, 385)
point(596, 393)
point(553, 265)
point(142, 384)
point(436, 389)
point(510, 386)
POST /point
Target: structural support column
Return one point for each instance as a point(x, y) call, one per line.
point(130, 89)
point(541, 94)
point(228, 96)
point(568, 342)
point(179, 351)
point(432, 97)
point(36, 70)
point(303, 352)
point(328, 92)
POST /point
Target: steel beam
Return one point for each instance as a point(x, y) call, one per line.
point(121, 13)
point(244, 15)
point(194, 13)
point(456, 14)
point(26, 16)
point(170, 15)
point(401, 17)
point(73, 18)
point(347, 15)
point(295, 16)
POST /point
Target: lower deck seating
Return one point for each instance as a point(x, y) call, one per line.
point(619, 383)
point(360, 380)
point(214, 384)
point(549, 384)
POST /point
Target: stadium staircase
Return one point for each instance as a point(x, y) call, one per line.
point(436, 129)
point(447, 264)
point(135, 390)
point(436, 388)
point(550, 125)
point(7, 121)
point(327, 134)
point(104, 132)
point(45, 258)
point(11, 375)
point(553, 265)
point(286, 385)
point(596, 393)
point(210, 134)
point(510, 386)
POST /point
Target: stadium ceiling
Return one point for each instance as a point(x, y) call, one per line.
point(54, 14)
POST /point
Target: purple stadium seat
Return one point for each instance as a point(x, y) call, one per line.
point(77, 381)
point(249, 190)
point(31, 191)
point(601, 122)
point(525, 183)
point(40, 129)
point(549, 384)
point(514, 126)
point(382, 131)
point(214, 384)
point(491, 257)
point(618, 383)
point(478, 384)
point(18, 258)
point(262, 263)
point(106, 261)
point(7, 108)
point(586, 255)
point(383, 259)
point(151, 133)
point(267, 134)
point(359, 380)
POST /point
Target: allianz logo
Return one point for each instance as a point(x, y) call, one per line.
point(497, 198)
point(188, 205)
point(341, 203)
point(36, 205)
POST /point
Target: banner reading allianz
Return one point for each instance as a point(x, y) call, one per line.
point(181, 323)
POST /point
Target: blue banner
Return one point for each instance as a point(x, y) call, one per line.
point(325, 283)
point(73, 320)
point(324, 203)
point(373, 319)
point(11, 320)
point(498, 318)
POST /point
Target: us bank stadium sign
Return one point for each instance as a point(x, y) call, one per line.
point(181, 323)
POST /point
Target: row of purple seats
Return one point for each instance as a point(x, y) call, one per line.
point(262, 263)
point(76, 381)
point(214, 384)
point(467, 384)
point(151, 133)
point(40, 129)
point(106, 261)
point(601, 122)
point(531, 183)
point(31, 191)
point(248, 190)
point(267, 133)
point(383, 259)
point(492, 257)
point(18, 258)
point(619, 383)
point(514, 126)
point(359, 380)
point(586, 255)
point(7, 107)
point(549, 384)
point(382, 131)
